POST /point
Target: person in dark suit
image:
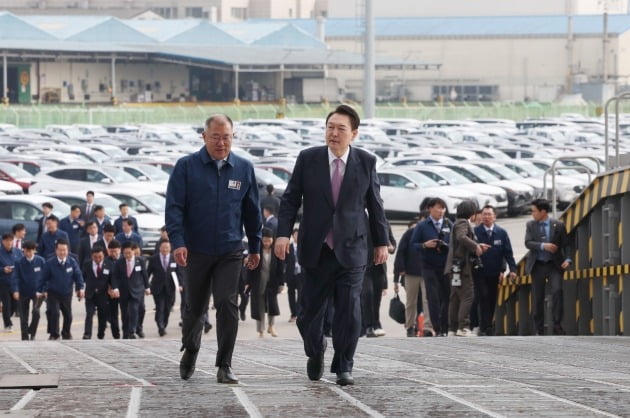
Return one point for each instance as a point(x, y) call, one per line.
point(100, 218)
point(270, 200)
point(124, 215)
point(212, 195)
point(113, 296)
point(334, 184)
point(270, 220)
point(87, 211)
point(293, 277)
point(48, 243)
point(131, 281)
point(488, 277)
point(96, 273)
point(161, 268)
point(73, 226)
point(127, 233)
point(26, 284)
point(266, 281)
point(47, 208)
point(548, 257)
point(88, 242)
point(9, 256)
point(61, 272)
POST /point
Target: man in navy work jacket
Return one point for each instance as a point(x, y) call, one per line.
point(9, 256)
point(73, 226)
point(488, 276)
point(335, 184)
point(48, 243)
point(60, 272)
point(27, 281)
point(212, 194)
point(128, 234)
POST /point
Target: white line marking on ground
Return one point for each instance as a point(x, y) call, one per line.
point(466, 403)
point(109, 366)
point(569, 402)
point(19, 360)
point(247, 403)
point(25, 400)
point(134, 402)
point(355, 402)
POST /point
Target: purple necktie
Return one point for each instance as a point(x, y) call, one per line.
point(335, 182)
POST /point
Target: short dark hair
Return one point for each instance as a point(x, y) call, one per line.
point(436, 201)
point(98, 207)
point(269, 188)
point(29, 245)
point(542, 204)
point(52, 218)
point(269, 209)
point(17, 227)
point(128, 222)
point(466, 209)
point(267, 233)
point(114, 244)
point(62, 241)
point(7, 235)
point(163, 229)
point(217, 117)
point(74, 207)
point(494, 210)
point(97, 249)
point(349, 112)
point(90, 223)
point(134, 245)
point(89, 193)
point(122, 205)
point(162, 241)
point(47, 205)
point(109, 228)
point(127, 244)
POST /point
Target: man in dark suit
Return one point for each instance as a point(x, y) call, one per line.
point(47, 208)
point(161, 268)
point(88, 242)
point(100, 218)
point(87, 211)
point(131, 281)
point(488, 276)
point(548, 257)
point(127, 233)
point(334, 184)
point(96, 273)
point(270, 220)
point(293, 277)
point(124, 215)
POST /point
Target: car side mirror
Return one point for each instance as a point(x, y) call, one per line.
point(443, 182)
point(411, 186)
point(107, 180)
point(143, 178)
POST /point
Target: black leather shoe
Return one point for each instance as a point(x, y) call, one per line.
point(225, 375)
point(162, 332)
point(140, 334)
point(315, 365)
point(411, 332)
point(207, 327)
point(243, 317)
point(87, 337)
point(187, 364)
point(345, 378)
point(558, 330)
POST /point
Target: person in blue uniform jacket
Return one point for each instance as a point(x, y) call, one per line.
point(48, 243)
point(73, 226)
point(128, 234)
point(124, 215)
point(211, 195)
point(9, 256)
point(61, 272)
point(27, 280)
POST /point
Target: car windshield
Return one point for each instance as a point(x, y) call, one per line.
point(14, 171)
point(421, 180)
point(268, 177)
point(481, 174)
point(119, 176)
point(154, 173)
point(504, 172)
point(154, 201)
point(452, 177)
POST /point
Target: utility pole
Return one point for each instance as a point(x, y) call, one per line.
point(369, 87)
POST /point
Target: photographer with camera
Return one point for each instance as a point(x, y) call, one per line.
point(463, 256)
point(494, 262)
point(431, 237)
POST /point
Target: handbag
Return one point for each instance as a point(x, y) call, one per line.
point(397, 309)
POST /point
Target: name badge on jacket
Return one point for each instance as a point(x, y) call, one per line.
point(138, 268)
point(105, 271)
point(36, 269)
point(68, 269)
point(173, 265)
point(234, 185)
point(497, 242)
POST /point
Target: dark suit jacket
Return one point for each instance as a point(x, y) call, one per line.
point(162, 280)
point(557, 235)
point(271, 223)
point(85, 250)
point(499, 254)
point(94, 284)
point(41, 222)
point(310, 187)
point(119, 221)
point(289, 268)
point(134, 285)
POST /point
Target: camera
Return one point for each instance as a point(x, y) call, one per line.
point(475, 262)
point(456, 269)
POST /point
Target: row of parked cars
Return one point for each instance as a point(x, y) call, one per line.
point(493, 161)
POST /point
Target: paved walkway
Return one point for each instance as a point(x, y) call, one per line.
point(433, 377)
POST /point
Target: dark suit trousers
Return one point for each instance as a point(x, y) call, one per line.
point(97, 302)
point(294, 290)
point(113, 317)
point(217, 276)
point(344, 284)
point(29, 330)
point(130, 309)
point(438, 292)
point(371, 297)
point(54, 304)
point(5, 297)
point(142, 310)
point(486, 288)
point(164, 301)
point(540, 273)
